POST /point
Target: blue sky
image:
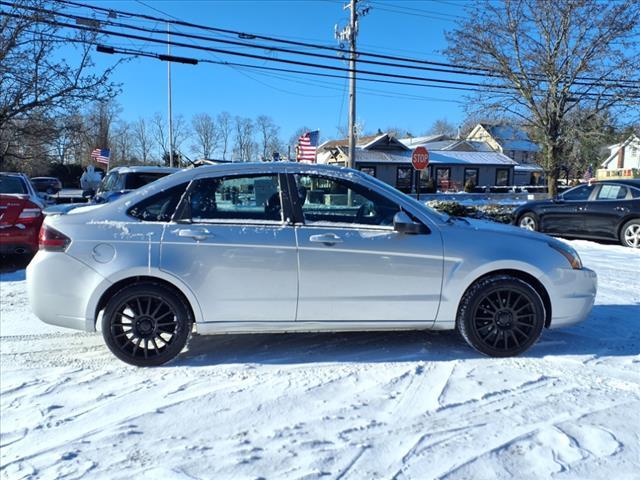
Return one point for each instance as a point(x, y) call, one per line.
point(409, 28)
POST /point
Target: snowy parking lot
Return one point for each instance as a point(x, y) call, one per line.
point(367, 405)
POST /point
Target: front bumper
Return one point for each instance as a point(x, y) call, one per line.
point(572, 294)
point(59, 288)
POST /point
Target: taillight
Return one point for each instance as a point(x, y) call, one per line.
point(30, 213)
point(52, 240)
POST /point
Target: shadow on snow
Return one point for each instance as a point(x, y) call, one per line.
point(611, 330)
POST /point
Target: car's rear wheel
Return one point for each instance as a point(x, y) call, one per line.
point(146, 324)
point(501, 316)
point(630, 234)
point(529, 221)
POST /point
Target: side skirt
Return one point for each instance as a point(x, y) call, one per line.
point(216, 328)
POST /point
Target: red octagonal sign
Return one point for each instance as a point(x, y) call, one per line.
point(420, 158)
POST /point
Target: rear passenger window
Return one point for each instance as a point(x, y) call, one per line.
point(159, 207)
point(612, 192)
point(236, 199)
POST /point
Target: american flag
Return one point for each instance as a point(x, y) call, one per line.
point(307, 147)
point(101, 155)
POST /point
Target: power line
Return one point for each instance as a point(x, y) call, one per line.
point(94, 28)
point(251, 36)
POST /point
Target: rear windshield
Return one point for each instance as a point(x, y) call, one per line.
point(11, 184)
point(137, 180)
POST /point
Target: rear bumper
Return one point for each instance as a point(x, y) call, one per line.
point(572, 295)
point(59, 288)
point(14, 238)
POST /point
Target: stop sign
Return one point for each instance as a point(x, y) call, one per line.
point(420, 158)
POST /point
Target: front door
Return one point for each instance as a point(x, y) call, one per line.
point(566, 215)
point(353, 265)
point(234, 249)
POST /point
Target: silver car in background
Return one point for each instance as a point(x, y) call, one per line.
point(286, 247)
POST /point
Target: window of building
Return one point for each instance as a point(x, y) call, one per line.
point(443, 177)
point(502, 177)
point(247, 198)
point(404, 177)
point(326, 200)
point(471, 174)
point(369, 170)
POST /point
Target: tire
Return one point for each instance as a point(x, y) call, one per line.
point(146, 324)
point(630, 234)
point(501, 316)
point(529, 221)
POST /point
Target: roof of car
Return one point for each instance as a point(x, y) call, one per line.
point(144, 169)
point(634, 182)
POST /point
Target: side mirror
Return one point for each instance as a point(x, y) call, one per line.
point(403, 224)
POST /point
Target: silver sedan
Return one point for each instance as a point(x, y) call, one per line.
point(282, 247)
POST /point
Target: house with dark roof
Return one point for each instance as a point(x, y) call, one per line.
point(451, 162)
point(516, 144)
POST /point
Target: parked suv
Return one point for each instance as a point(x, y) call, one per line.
point(121, 180)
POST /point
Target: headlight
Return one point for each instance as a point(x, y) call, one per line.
point(569, 253)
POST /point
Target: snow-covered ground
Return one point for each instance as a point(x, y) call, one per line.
point(384, 405)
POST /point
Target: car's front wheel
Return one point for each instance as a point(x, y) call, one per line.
point(529, 221)
point(630, 234)
point(501, 316)
point(146, 324)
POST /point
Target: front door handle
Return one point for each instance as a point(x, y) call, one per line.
point(326, 238)
point(195, 233)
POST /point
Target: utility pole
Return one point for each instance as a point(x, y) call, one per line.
point(169, 97)
point(353, 24)
point(349, 34)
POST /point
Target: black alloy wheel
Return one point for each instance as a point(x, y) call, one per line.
point(501, 316)
point(146, 325)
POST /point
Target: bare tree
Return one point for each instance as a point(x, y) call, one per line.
point(269, 141)
point(35, 80)
point(123, 144)
point(161, 135)
point(541, 59)
point(206, 135)
point(142, 140)
point(244, 147)
point(225, 127)
point(442, 126)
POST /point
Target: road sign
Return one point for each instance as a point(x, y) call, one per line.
point(420, 158)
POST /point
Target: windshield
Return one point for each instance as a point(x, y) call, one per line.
point(11, 184)
point(137, 180)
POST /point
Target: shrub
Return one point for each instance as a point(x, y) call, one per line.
point(469, 187)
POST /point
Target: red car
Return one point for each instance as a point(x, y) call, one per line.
point(20, 215)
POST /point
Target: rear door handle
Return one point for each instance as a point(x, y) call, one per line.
point(195, 233)
point(326, 238)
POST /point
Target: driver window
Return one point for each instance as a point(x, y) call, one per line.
point(579, 193)
point(246, 199)
point(326, 200)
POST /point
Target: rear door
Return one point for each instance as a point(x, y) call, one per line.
point(235, 249)
point(353, 265)
point(610, 205)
